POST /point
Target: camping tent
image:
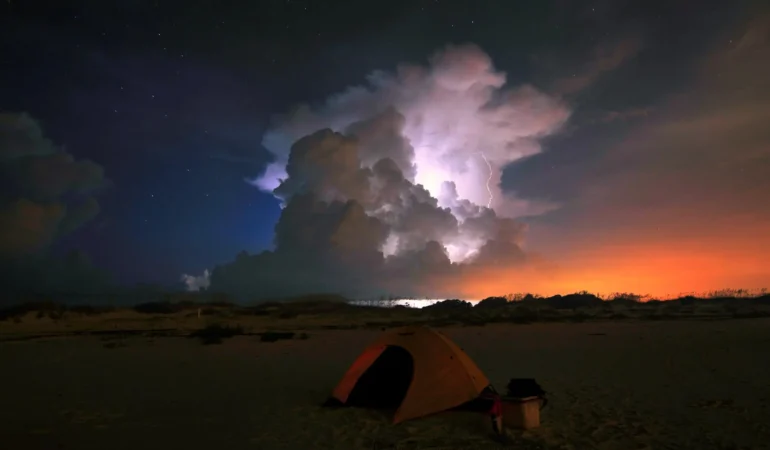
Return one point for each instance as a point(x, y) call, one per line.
point(416, 370)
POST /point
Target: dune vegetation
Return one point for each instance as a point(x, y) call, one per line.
point(213, 317)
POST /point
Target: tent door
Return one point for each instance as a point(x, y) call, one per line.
point(385, 383)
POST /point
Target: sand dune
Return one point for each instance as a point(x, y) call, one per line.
point(651, 385)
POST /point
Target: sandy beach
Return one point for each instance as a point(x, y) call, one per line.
point(634, 385)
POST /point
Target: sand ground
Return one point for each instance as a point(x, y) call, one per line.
point(625, 386)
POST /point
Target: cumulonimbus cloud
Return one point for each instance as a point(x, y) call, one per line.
point(456, 112)
point(47, 193)
point(394, 186)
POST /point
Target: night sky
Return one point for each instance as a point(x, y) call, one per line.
point(642, 162)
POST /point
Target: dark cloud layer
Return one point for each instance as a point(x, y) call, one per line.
point(604, 58)
point(46, 193)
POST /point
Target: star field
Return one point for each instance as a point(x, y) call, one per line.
point(172, 99)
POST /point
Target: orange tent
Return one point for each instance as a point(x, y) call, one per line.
point(416, 370)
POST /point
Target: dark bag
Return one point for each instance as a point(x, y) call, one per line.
point(525, 387)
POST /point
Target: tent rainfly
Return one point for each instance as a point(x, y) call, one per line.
point(415, 370)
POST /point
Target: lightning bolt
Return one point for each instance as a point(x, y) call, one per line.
point(489, 179)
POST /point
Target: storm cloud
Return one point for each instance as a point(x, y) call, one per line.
point(46, 192)
point(393, 187)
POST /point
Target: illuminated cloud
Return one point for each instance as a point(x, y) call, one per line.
point(363, 231)
point(196, 283)
point(456, 112)
point(421, 149)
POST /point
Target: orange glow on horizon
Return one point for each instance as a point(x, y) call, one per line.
point(660, 270)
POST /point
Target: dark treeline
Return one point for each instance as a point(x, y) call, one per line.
point(155, 302)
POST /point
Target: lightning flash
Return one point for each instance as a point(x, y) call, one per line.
point(489, 179)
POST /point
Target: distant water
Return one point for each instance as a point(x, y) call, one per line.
point(409, 302)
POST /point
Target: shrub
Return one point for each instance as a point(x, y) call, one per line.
point(158, 308)
point(273, 336)
point(492, 303)
point(90, 310)
point(574, 301)
point(214, 334)
point(452, 305)
point(41, 308)
point(523, 314)
point(579, 317)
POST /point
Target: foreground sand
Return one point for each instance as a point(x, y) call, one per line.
point(650, 385)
